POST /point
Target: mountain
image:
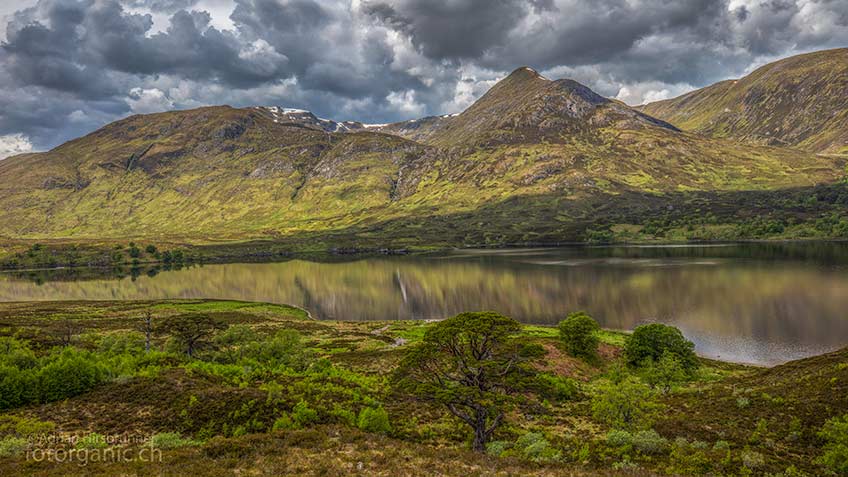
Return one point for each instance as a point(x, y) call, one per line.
point(526, 107)
point(533, 160)
point(800, 102)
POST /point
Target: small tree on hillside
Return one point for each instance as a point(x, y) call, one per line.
point(471, 364)
point(578, 333)
point(191, 331)
point(651, 342)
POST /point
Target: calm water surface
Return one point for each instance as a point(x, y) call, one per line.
point(756, 303)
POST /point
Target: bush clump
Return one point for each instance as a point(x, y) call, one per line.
point(374, 420)
point(649, 442)
point(53, 377)
point(535, 447)
point(653, 341)
point(303, 415)
point(835, 434)
point(11, 446)
point(497, 448)
point(619, 439)
point(556, 387)
point(578, 332)
point(664, 374)
point(283, 422)
point(626, 404)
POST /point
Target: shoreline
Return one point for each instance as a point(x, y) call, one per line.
point(220, 254)
point(531, 328)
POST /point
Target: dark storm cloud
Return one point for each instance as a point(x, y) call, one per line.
point(68, 66)
point(451, 29)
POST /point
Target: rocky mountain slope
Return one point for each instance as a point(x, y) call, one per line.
point(532, 160)
point(800, 102)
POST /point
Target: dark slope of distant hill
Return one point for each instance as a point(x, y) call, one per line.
point(551, 153)
point(800, 101)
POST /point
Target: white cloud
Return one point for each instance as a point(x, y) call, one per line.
point(14, 144)
point(77, 116)
point(7, 8)
point(650, 91)
point(143, 101)
point(405, 102)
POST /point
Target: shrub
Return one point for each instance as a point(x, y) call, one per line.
point(624, 405)
point(345, 416)
point(23, 426)
point(721, 446)
point(170, 440)
point(303, 415)
point(687, 459)
point(742, 402)
point(69, 374)
point(16, 353)
point(11, 446)
point(283, 422)
point(619, 438)
point(663, 374)
point(578, 334)
point(649, 442)
point(654, 340)
point(374, 420)
point(131, 342)
point(92, 441)
point(752, 460)
point(17, 387)
point(497, 448)
point(555, 387)
point(835, 434)
point(759, 432)
point(285, 349)
point(535, 447)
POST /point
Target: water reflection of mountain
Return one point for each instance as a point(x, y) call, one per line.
point(774, 309)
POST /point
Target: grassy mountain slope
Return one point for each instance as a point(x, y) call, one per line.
point(240, 174)
point(800, 101)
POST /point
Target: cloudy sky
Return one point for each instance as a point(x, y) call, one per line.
point(70, 66)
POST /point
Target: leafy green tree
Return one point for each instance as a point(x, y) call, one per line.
point(654, 340)
point(191, 331)
point(473, 365)
point(578, 333)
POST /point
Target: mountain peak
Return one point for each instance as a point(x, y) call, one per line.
point(525, 72)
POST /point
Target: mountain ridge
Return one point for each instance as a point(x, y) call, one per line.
point(800, 101)
point(269, 172)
